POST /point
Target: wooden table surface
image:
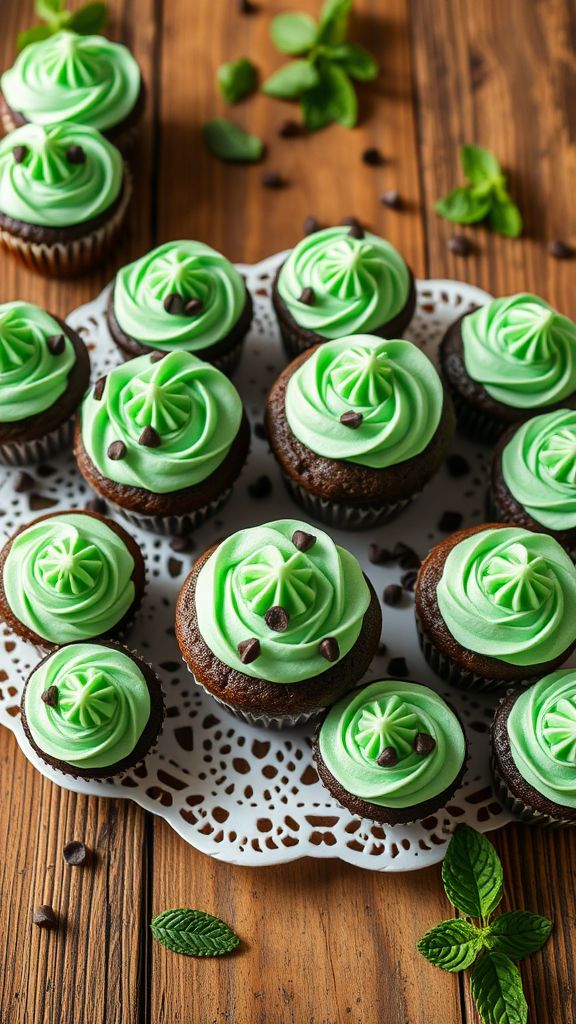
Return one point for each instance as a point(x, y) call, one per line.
point(324, 942)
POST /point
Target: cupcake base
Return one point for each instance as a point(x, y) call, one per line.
point(172, 525)
point(340, 516)
point(22, 453)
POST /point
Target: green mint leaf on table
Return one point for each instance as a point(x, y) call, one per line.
point(289, 82)
point(479, 165)
point(496, 988)
point(461, 206)
point(472, 873)
point(505, 218)
point(333, 99)
point(230, 142)
point(32, 35)
point(193, 933)
point(88, 19)
point(485, 197)
point(293, 33)
point(452, 945)
point(333, 23)
point(517, 934)
point(355, 60)
point(237, 79)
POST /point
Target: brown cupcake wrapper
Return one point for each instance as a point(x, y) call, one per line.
point(172, 525)
point(518, 808)
point(343, 517)
point(454, 674)
point(293, 343)
point(22, 453)
point(475, 423)
point(262, 720)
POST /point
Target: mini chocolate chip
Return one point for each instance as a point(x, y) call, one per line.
point(290, 129)
point(174, 567)
point(560, 250)
point(76, 853)
point(311, 225)
point(157, 357)
point(75, 155)
point(356, 231)
point(99, 388)
point(193, 307)
point(351, 419)
point(20, 153)
point(424, 743)
point(174, 304)
point(372, 156)
point(182, 543)
point(382, 649)
point(95, 505)
point(397, 668)
point(247, 7)
point(272, 179)
point(23, 482)
point(260, 431)
point(457, 465)
point(406, 557)
point(307, 297)
point(450, 521)
point(329, 648)
point(116, 450)
point(50, 696)
point(277, 618)
point(378, 555)
point(392, 199)
point(150, 438)
point(460, 245)
point(350, 221)
point(392, 594)
point(303, 541)
point(408, 579)
point(388, 758)
point(261, 488)
point(44, 916)
point(249, 650)
point(56, 344)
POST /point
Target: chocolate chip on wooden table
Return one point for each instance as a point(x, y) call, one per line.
point(249, 650)
point(372, 156)
point(392, 594)
point(44, 916)
point(329, 648)
point(272, 179)
point(76, 853)
point(560, 250)
point(290, 129)
point(392, 199)
point(303, 541)
point(460, 245)
point(277, 618)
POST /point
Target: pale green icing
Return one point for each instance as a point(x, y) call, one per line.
point(191, 405)
point(48, 189)
point(102, 705)
point(322, 590)
point(69, 577)
point(390, 714)
point(521, 351)
point(190, 270)
point(32, 377)
point(542, 735)
point(359, 284)
point(539, 468)
point(510, 594)
point(86, 79)
point(392, 384)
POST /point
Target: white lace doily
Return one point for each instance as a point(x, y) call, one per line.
point(242, 794)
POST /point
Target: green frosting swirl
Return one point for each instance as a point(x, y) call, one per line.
point(521, 351)
point(390, 714)
point(69, 577)
point(48, 189)
point(539, 468)
point(193, 408)
point(359, 284)
point(102, 705)
point(191, 270)
point(86, 79)
point(542, 735)
point(510, 594)
point(392, 384)
point(322, 591)
point(32, 376)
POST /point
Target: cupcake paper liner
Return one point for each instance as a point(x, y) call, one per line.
point(22, 453)
point(454, 674)
point(476, 424)
point(344, 517)
point(172, 525)
point(518, 808)
point(292, 342)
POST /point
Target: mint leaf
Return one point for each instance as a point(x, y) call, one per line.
point(289, 82)
point(479, 164)
point(88, 19)
point(48, 9)
point(193, 933)
point(32, 35)
point(462, 206)
point(452, 945)
point(472, 873)
point(355, 60)
point(293, 33)
point(237, 79)
point(333, 24)
point(496, 988)
point(505, 218)
point(230, 142)
point(518, 933)
point(333, 99)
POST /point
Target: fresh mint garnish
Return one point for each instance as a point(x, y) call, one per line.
point(472, 877)
point(484, 198)
point(237, 79)
point(85, 20)
point(193, 933)
point(230, 142)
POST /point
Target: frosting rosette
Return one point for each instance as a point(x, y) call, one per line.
point(99, 707)
point(393, 743)
point(392, 385)
point(69, 577)
point(175, 417)
point(67, 77)
point(521, 350)
point(301, 609)
point(33, 375)
point(510, 594)
point(542, 735)
point(358, 284)
point(212, 291)
point(58, 176)
point(539, 468)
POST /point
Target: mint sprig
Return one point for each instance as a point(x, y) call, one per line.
point(55, 16)
point(193, 933)
point(473, 878)
point(237, 79)
point(229, 141)
point(484, 198)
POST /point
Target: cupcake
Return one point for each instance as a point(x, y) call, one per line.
point(342, 281)
point(70, 576)
point(181, 297)
point(276, 622)
point(533, 482)
point(86, 80)
point(162, 439)
point(534, 750)
point(505, 361)
point(64, 191)
point(358, 426)
point(44, 371)
point(92, 710)
point(392, 751)
point(495, 606)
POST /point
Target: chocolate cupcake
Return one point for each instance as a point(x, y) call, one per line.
point(534, 750)
point(533, 482)
point(358, 427)
point(276, 622)
point(162, 439)
point(181, 297)
point(70, 576)
point(64, 191)
point(44, 371)
point(495, 606)
point(92, 710)
point(507, 360)
point(393, 751)
point(86, 80)
point(342, 281)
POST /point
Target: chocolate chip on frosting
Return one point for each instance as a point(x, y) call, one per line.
point(50, 696)
point(56, 343)
point(329, 648)
point(99, 388)
point(302, 540)
point(193, 307)
point(20, 153)
point(174, 304)
point(150, 438)
point(424, 743)
point(249, 650)
point(356, 231)
point(307, 297)
point(351, 419)
point(388, 758)
point(116, 450)
point(277, 618)
point(75, 155)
